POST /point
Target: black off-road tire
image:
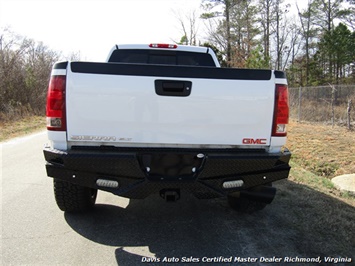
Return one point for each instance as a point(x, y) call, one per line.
point(73, 198)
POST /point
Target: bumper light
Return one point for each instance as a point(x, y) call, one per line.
point(106, 183)
point(233, 184)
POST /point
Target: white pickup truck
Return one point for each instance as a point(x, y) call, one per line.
point(164, 118)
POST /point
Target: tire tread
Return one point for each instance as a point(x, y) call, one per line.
point(73, 198)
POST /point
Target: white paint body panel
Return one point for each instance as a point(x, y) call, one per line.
point(125, 110)
point(58, 139)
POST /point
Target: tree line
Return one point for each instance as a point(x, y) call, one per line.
point(315, 45)
point(25, 67)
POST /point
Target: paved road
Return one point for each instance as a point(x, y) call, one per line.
point(123, 232)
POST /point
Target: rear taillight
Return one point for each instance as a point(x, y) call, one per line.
point(55, 111)
point(163, 45)
point(281, 111)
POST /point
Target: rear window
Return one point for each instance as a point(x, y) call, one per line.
point(160, 57)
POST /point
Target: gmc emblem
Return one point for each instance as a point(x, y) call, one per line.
point(254, 141)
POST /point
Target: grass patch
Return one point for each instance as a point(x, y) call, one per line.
point(21, 127)
point(300, 175)
point(321, 149)
point(319, 153)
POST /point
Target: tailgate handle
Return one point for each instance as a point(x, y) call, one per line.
point(173, 88)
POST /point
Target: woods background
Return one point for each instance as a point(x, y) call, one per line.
point(315, 46)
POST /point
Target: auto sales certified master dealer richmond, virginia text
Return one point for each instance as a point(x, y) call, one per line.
point(235, 259)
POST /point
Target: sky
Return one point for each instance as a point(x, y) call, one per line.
point(93, 27)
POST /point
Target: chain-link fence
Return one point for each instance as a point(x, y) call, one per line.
point(332, 104)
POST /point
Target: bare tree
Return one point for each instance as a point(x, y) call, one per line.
point(25, 67)
point(233, 29)
point(224, 26)
point(189, 27)
point(308, 31)
point(266, 18)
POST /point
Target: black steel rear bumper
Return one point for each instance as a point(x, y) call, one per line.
point(141, 172)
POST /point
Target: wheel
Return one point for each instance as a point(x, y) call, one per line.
point(73, 198)
point(245, 202)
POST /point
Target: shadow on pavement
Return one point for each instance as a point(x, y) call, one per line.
point(300, 222)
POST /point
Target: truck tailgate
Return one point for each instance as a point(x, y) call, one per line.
point(117, 104)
